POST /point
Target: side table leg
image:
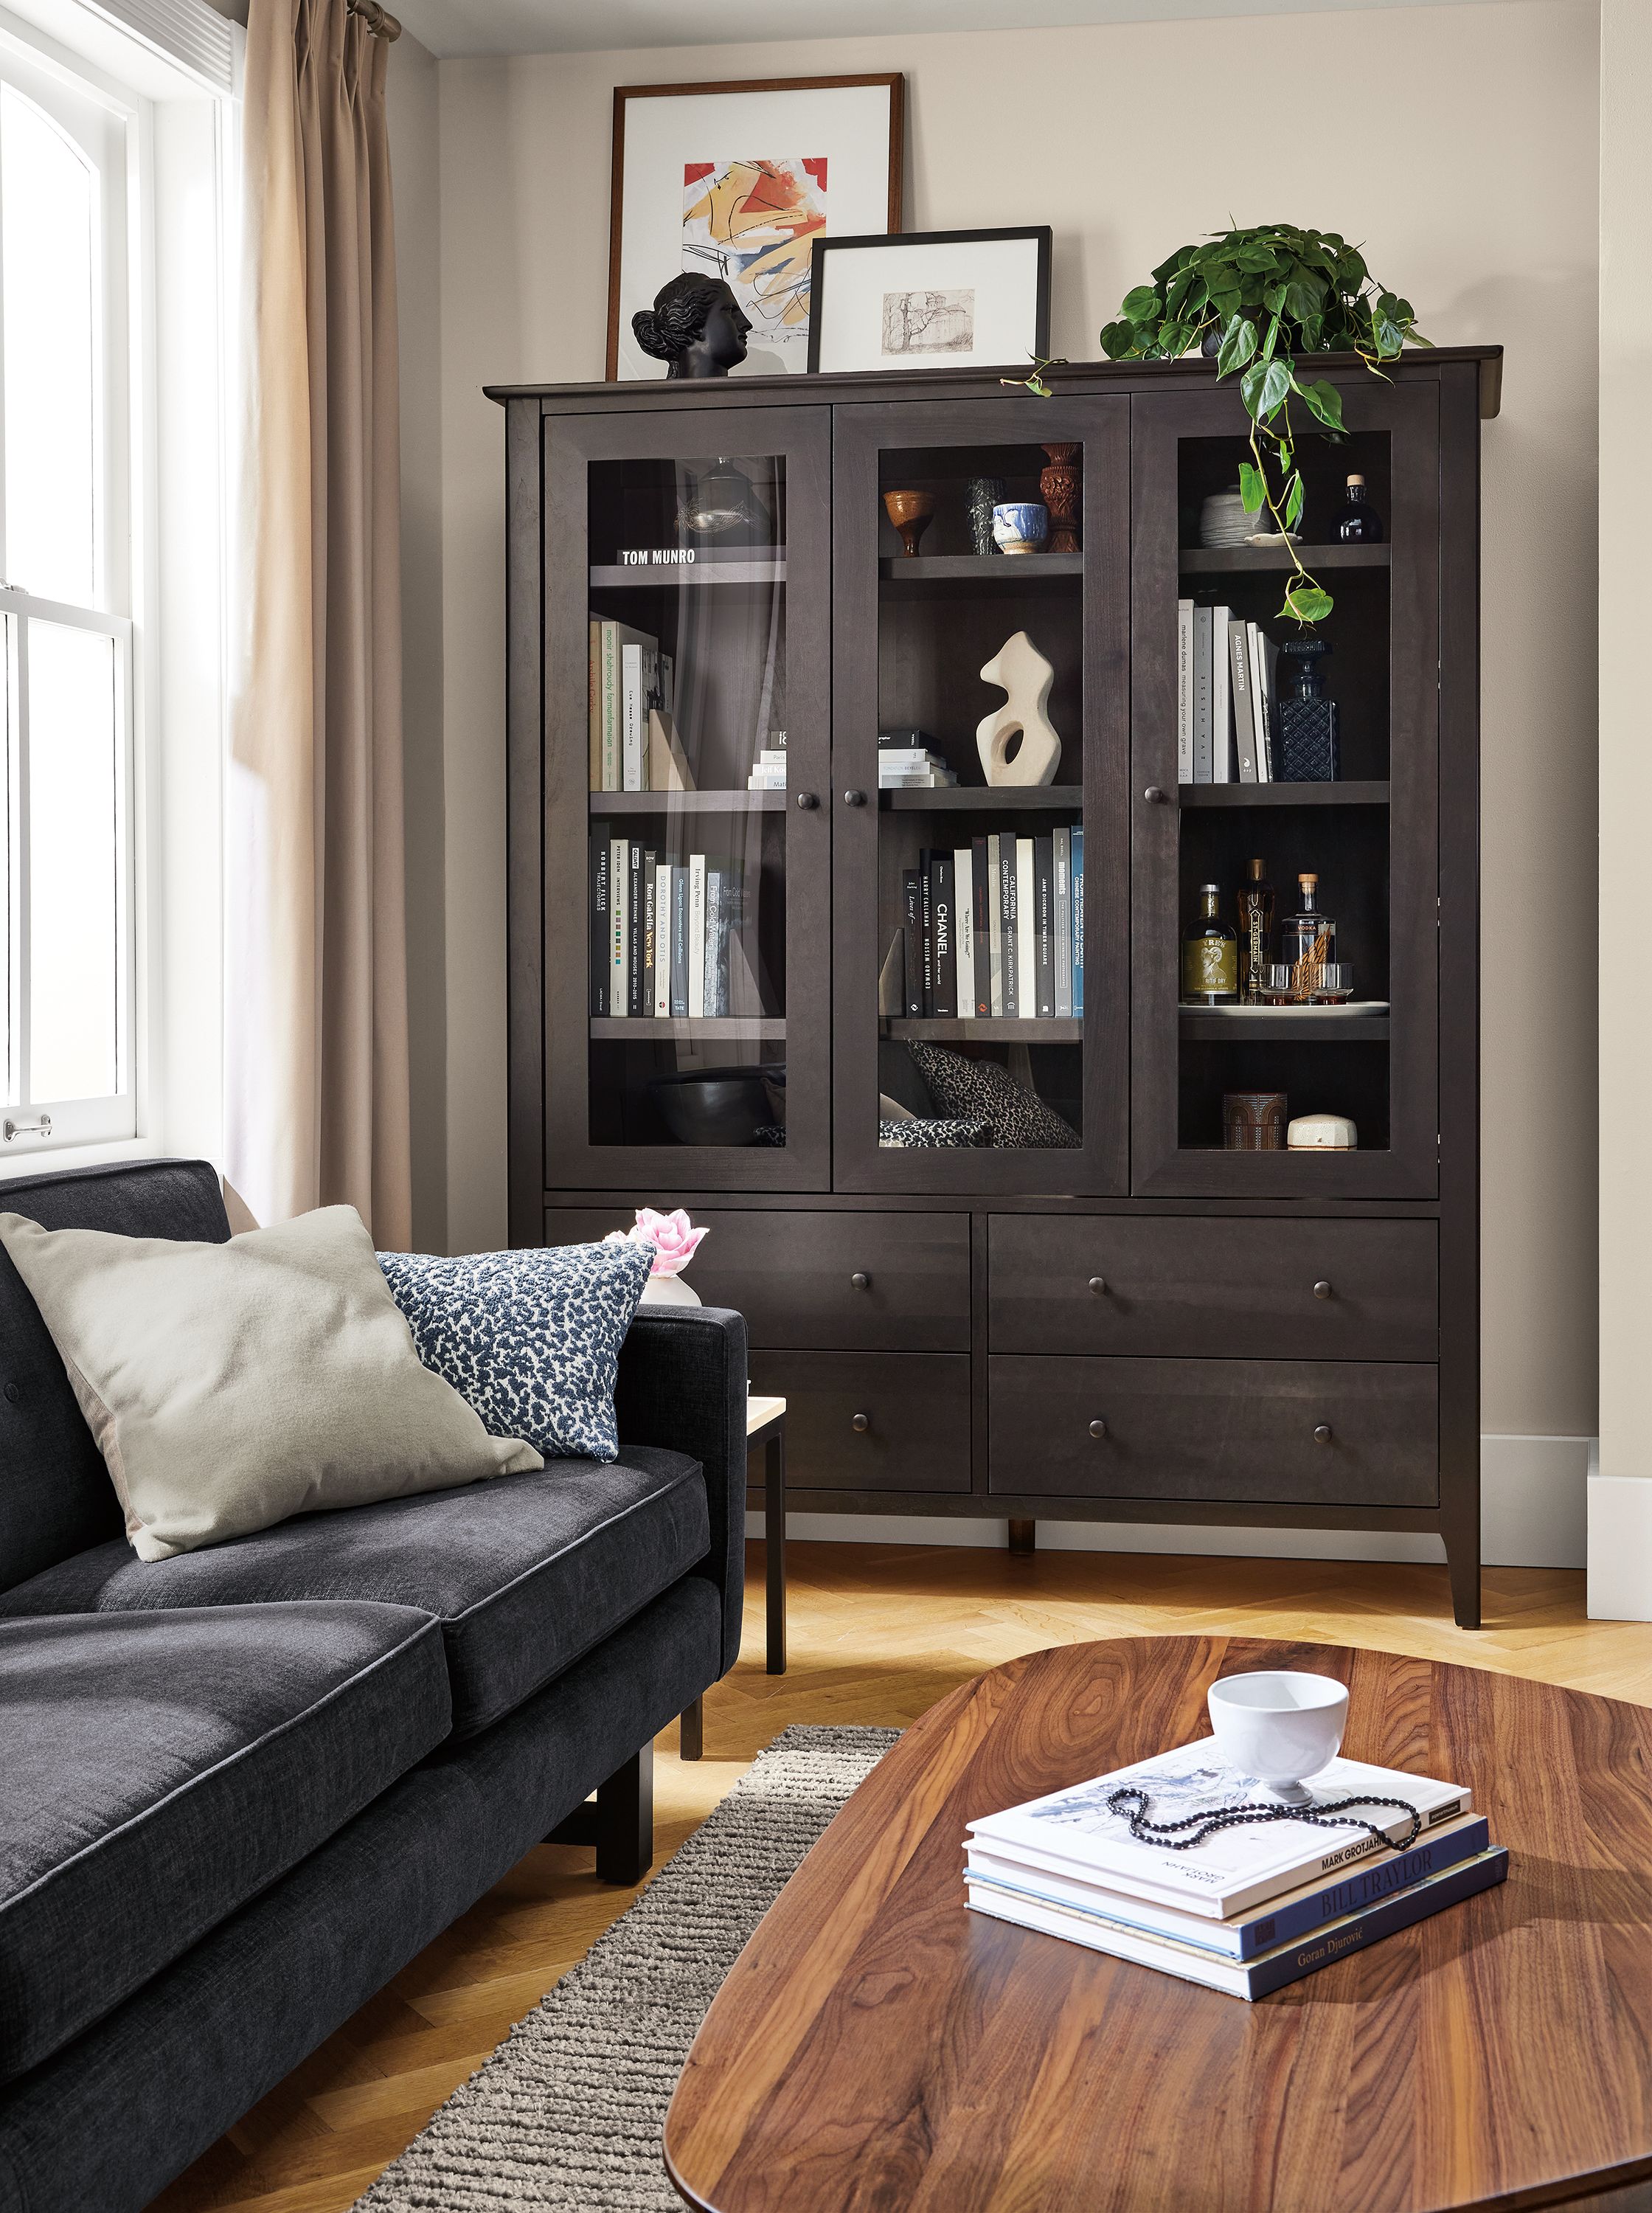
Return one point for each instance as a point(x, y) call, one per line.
point(774, 1528)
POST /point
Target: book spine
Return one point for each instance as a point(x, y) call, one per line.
point(595, 702)
point(994, 925)
point(618, 940)
point(982, 914)
point(631, 701)
point(696, 934)
point(1365, 1889)
point(963, 928)
point(680, 942)
point(1062, 844)
point(1027, 929)
point(611, 780)
point(1183, 691)
point(911, 938)
point(1044, 907)
point(1010, 964)
point(1221, 700)
point(1266, 655)
point(1078, 921)
point(1239, 656)
point(926, 899)
point(634, 944)
point(650, 886)
point(602, 939)
point(716, 941)
point(662, 940)
point(1201, 695)
point(1310, 1953)
point(946, 934)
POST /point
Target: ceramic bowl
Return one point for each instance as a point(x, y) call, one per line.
point(1281, 1726)
point(713, 1105)
point(1021, 526)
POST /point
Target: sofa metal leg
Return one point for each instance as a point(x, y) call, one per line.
point(691, 1731)
point(625, 1820)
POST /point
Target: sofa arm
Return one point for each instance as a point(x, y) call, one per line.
point(682, 1385)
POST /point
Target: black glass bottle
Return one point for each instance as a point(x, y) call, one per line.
point(1358, 522)
point(1307, 751)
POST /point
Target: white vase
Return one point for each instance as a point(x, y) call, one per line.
point(669, 1292)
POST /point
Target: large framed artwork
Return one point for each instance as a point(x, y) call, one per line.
point(934, 299)
point(738, 181)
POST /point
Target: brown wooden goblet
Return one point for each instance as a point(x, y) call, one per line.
point(911, 513)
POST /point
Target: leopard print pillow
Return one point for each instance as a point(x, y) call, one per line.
point(530, 1339)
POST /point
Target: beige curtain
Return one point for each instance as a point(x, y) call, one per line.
point(316, 986)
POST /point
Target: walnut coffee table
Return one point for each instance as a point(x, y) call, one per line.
point(876, 2046)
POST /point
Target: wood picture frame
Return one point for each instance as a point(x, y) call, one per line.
point(946, 253)
point(641, 238)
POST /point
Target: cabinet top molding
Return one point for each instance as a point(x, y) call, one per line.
point(1416, 365)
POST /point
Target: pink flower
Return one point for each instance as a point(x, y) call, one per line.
point(673, 1237)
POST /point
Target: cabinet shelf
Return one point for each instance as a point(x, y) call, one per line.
point(707, 568)
point(1065, 1029)
point(983, 798)
point(1018, 569)
point(1282, 795)
point(688, 802)
point(1220, 560)
point(1205, 1029)
point(643, 1029)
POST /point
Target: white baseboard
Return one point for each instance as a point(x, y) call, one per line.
point(1533, 1513)
point(1619, 1544)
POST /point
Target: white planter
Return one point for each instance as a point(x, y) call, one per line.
point(668, 1291)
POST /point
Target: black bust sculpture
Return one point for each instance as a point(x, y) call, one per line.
point(695, 327)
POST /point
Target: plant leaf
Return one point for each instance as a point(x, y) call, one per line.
point(1142, 305)
point(1325, 401)
point(1238, 344)
point(1276, 384)
point(1252, 488)
point(1294, 500)
point(1306, 601)
point(1119, 340)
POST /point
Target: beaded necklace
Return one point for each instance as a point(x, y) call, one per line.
point(1134, 1805)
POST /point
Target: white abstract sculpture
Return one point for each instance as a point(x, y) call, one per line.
point(1026, 676)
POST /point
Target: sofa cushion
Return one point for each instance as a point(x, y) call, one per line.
point(55, 1494)
point(160, 1770)
point(526, 1573)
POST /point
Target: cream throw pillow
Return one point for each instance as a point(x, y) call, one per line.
point(231, 1386)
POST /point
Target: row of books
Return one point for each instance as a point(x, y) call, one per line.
point(995, 928)
point(1248, 1910)
point(1226, 698)
point(669, 937)
point(628, 675)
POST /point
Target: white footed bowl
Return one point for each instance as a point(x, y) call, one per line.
point(1280, 1727)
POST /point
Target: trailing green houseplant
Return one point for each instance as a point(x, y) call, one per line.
point(1258, 299)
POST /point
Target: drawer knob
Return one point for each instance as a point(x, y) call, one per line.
point(862, 1283)
point(1098, 1285)
point(1322, 1433)
point(808, 800)
point(1098, 1428)
point(1154, 795)
point(1322, 1289)
point(864, 1421)
point(854, 799)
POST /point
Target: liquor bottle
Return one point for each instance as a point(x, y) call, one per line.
point(1210, 954)
point(1358, 522)
point(1307, 749)
point(1255, 930)
point(1307, 939)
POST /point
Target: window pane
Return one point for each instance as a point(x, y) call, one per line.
point(74, 820)
point(49, 205)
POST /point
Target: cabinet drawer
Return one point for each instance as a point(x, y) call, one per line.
point(792, 1274)
point(1199, 1287)
point(916, 1409)
point(1218, 1430)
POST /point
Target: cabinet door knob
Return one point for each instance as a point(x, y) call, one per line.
point(861, 1283)
point(1322, 1433)
point(1322, 1290)
point(1098, 1428)
point(854, 799)
point(1155, 795)
point(860, 1421)
point(806, 800)
point(1098, 1285)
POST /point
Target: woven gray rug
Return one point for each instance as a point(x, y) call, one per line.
point(568, 2113)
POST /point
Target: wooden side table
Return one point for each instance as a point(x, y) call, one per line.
point(765, 1432)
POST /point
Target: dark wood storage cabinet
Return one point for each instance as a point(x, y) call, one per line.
point(1133, 1324)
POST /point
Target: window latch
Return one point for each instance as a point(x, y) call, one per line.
point(39, 1128)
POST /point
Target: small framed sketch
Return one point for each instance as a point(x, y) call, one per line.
point(936, 299)
point(737, 182)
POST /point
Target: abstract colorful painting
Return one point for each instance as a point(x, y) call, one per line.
point(753, 223)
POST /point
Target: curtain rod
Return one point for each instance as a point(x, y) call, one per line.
point(378, 20)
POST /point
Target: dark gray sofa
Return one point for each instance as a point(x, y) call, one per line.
point(240, 1788)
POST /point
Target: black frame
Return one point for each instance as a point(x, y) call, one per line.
point(824, 247)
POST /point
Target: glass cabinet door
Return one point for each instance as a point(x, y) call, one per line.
point(980, 744)
point(687, 567)
point(1284, 810)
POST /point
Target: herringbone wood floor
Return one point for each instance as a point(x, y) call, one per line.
point(877, 1634)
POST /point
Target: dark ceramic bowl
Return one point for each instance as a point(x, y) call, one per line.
point(713, 1105)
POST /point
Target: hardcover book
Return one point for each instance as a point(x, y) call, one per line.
point(619, 934)
point(946, 940)
point(1201, 695)
point(1026, 931)
point(1062, 845)
point(1183, 691)
point(983, 926)
point(911, 933)
point(663, 876)
point(1078, 922)
point(601, 938)
point(1044, 910)
point(679, 941)
point(696, 934)
point(963, 892)
point(650, 886)
point(994, 925)
point(1009, 892)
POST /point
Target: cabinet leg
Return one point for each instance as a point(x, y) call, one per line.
point(1461, 1528)
point(691, 1731)
point(1023, 1536)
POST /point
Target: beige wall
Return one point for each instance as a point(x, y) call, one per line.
point(1459, 143)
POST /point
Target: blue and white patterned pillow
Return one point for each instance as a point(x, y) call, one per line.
point(531, 1340)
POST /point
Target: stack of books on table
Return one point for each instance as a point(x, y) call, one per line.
point(1226, 692)
point(1251, 1908)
